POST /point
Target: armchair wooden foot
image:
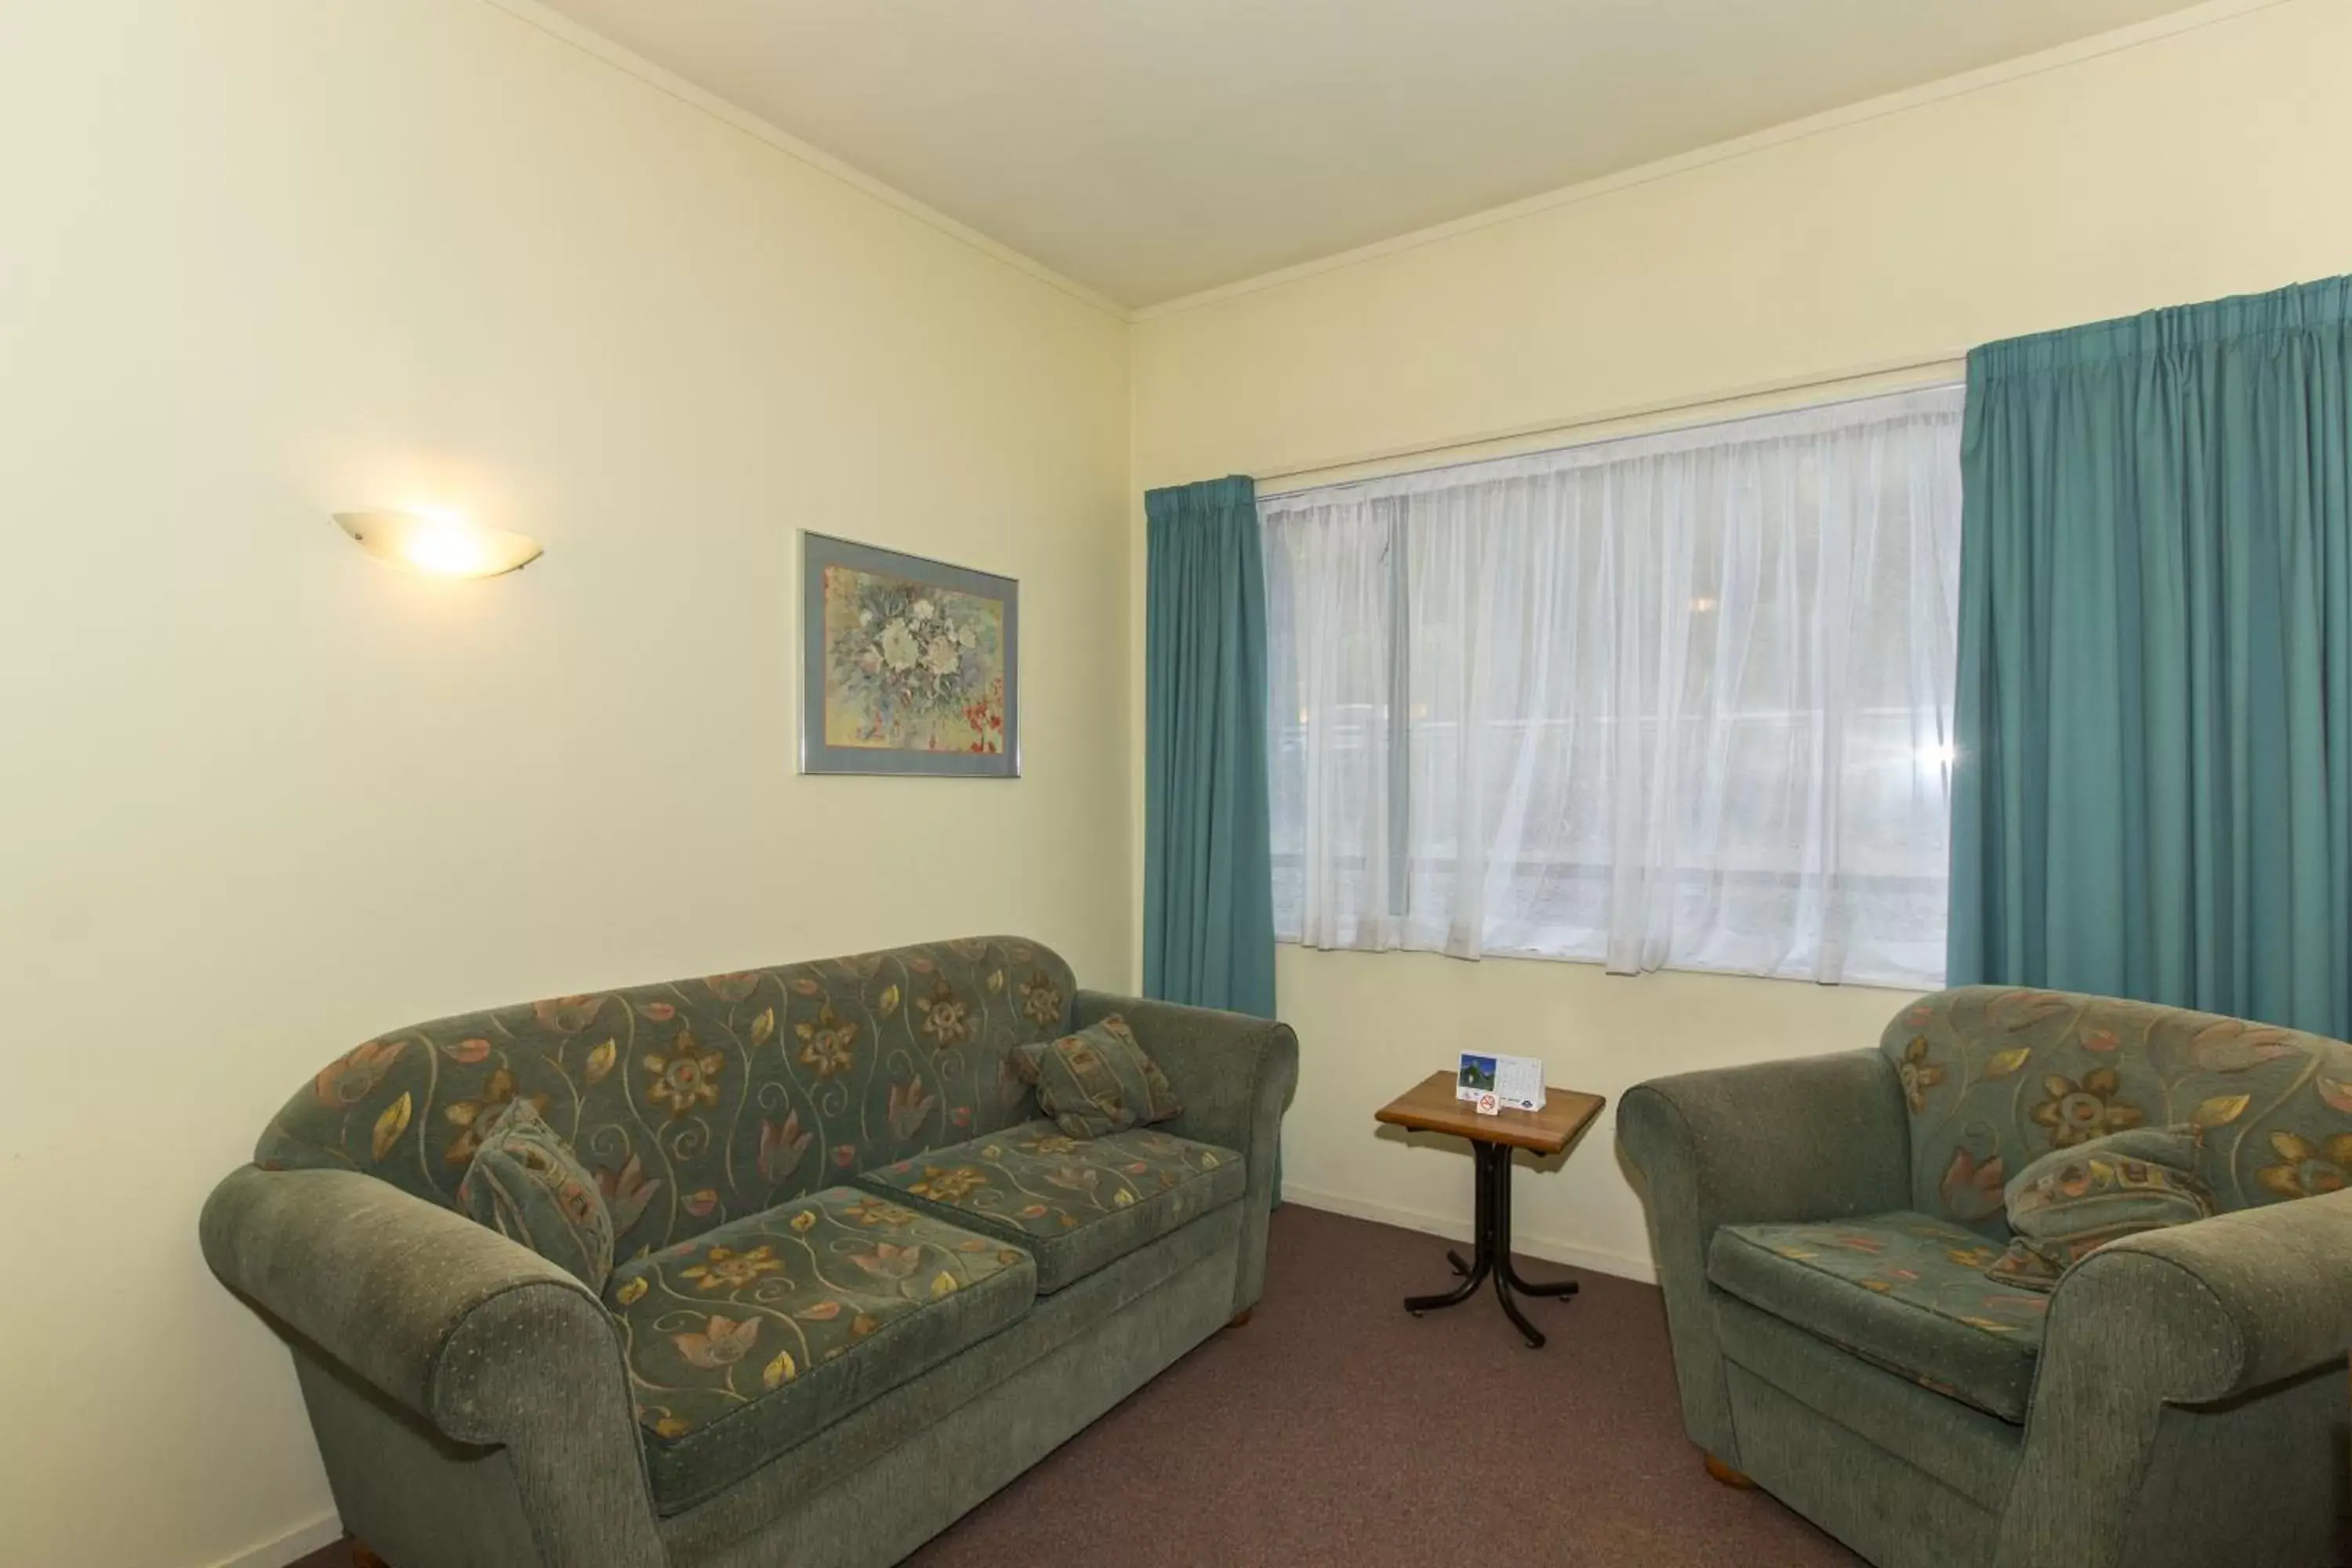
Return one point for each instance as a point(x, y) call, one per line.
point(1241, 1318)
point(1727, 1474)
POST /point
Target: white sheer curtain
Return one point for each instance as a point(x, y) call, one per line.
point(1677, 700)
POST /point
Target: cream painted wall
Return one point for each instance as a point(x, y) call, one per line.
point(2170, 165)
point(260, 259)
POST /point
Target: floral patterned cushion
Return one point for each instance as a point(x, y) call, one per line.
point(1905, 1290)
point(1073, 1204)
point(700, 1102)
point(1098, 1080)
point(2073, 1201)
point(762, 1332)
point(1994, 1078)
point(524, 1183)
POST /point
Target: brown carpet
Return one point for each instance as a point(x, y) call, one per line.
point(1333, 1428)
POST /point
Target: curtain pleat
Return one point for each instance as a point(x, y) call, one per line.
point(1208, 915)
point(2154, 795)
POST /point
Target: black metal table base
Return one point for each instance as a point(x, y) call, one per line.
point(1490, 1252)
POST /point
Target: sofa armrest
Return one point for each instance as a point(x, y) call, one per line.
point(2200, 1315)
point(2247, 1298)
point(1814, 1138)
point(483, 1340)
point(1235, 1074)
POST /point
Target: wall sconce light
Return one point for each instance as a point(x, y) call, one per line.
point(442, 543)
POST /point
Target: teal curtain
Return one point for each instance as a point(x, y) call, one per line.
point(1208, 876)
point(2153, 785)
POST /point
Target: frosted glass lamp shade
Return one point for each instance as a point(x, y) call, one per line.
point(442, 546)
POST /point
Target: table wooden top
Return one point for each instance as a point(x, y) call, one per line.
point(1430, 1107)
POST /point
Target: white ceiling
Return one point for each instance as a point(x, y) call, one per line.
point(1149, 149)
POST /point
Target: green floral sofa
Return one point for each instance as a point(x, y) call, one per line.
point(859, 1283)
point(1821, 1229)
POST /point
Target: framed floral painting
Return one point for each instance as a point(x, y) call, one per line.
point(907, 666)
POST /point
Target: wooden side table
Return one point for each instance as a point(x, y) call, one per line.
point(1430, 1107)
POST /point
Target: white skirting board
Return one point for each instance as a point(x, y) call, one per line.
point(291, 1547)
point(1624, 1266)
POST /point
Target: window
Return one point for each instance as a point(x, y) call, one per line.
point(1676, 700)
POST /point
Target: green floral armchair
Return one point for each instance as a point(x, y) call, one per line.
point(857, 1281)
point(1821, 1229)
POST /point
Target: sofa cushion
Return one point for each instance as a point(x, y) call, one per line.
point(1151, 1284)
point(525, 1183)
point(2072, 1202)
point(1097, 1081)
point(1073, 1204)
point(752, 1337)
point(1903, 1290)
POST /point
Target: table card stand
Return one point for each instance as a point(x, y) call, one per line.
point(1493, 1082)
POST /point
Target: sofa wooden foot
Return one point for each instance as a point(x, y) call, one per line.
point(1240, 1318)
point(364, 1556)
point(1727, 1474)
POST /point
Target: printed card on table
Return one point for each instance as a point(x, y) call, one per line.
point(1497, 1082)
